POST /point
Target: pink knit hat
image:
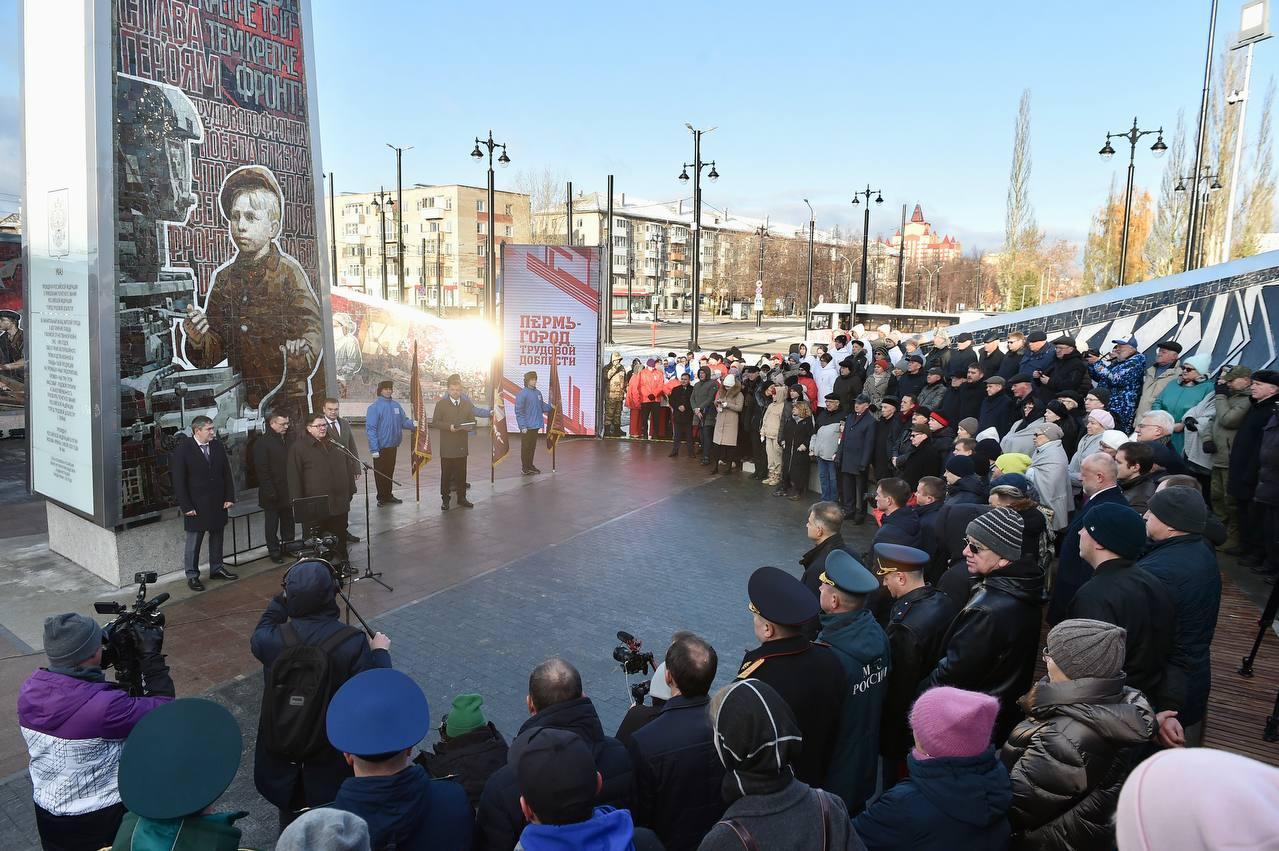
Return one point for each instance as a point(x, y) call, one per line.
point(953, 722)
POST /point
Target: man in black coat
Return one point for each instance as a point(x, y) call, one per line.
point(962, 356)
point(922, 459)
point(991, 357)
point(470, 749)
point(993, 643)
point(1112, 537)
point(971, 393)
point(1244, 469)
point(1011, 364)
point(1068, 373)
point(997, 410)
point(340, 431)
point(554, 701)
point(317, 469)
point(681, 399)
point(825, 520)
point(917, 623)
point(888, 436)
point(678, 773)
point(1099, 474)
point(853, 458)
point(808, 676)
point(912, 380)
point(454, 417)
point(270, 461)
point(205, 489)
point(308, 605)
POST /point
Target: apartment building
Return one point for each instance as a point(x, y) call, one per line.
point(653, 247)
point(445, 238)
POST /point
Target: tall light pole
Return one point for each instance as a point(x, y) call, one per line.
point(1200, 140)
point(1106, 152)
point(861, 287)
point(762, 233)
point(712, 176)
point(399, 207)
point(1202, 185)
point(808, 301)
point(657, 285)
point(333, 234)
point(1254, 26)
point(490, 261)
point(380, 203)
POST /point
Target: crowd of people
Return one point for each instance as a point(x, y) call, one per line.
point(901, 696)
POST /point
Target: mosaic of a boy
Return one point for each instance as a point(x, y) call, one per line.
point(261, 311)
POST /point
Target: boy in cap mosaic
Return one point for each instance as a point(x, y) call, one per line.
point(261, 315)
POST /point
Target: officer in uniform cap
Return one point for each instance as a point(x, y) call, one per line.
point(916, 627)
point(851, 630)
point(808, 676)
point(176, 763)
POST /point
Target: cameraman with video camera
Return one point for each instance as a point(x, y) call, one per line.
point(75, 724)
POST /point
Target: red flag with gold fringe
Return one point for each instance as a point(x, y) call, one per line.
point(421, 432)
point(555, 425)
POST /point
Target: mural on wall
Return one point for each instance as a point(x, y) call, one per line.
point(217, 258)
point(13, 362)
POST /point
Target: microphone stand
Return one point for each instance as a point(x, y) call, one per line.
point(368, 539)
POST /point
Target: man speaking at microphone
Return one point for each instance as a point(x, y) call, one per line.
point(318, 467)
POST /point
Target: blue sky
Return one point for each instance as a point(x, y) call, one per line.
point(917, 99)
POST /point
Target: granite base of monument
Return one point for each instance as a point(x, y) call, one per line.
point(116, 556)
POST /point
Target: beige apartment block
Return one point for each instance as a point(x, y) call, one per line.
point(445, 238)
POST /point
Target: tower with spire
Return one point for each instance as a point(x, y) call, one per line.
point(923, 244)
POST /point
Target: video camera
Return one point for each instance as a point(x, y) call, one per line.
point(317, 545)
point(137, 631)
point(636, 661)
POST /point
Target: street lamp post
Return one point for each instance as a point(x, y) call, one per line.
point(713, 175)
point(399, 209)
point(381, 202)
point(861, 287)
point(1202, 185)
point(808, 301)
point(490, 261)
point(1106, 152)
point(657, 284)
point(1201, 139)
point(1254, 26)
point(762, 233)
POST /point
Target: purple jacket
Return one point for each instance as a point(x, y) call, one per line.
point(72, 726)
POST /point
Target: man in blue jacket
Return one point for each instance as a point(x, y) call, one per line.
point(862, 647)
point(1122, 372)
point(385, 423)
point(530, 408)
point(375, 719)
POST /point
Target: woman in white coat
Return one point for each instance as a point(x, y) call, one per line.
point(1049, 473)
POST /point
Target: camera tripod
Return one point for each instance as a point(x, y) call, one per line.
point(1266, 624)
point(368, 573)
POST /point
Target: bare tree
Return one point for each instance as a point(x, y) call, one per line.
point(545, 189)
point(1257, 207)
point(1166, 245)
point(1021, 233)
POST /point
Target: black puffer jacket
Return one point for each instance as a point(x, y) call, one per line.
point(470, 759)
point(1069, 759)
point(993, 643)
point(1066, 374)
point(500, 820)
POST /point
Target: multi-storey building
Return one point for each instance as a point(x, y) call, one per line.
point(923, 244)
point(652, 247)
point(445, 232)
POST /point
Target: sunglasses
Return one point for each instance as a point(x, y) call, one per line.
point(1188, 369)
point(976, 548)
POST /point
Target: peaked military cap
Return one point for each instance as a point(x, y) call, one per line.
point(778, 597)
point(847, 574)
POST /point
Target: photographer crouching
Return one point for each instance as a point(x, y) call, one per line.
point(75, 724)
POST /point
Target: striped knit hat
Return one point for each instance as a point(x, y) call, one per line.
point(1000, 529)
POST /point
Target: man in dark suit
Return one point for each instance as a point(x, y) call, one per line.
point(317, 468)
point(454, 416)
point(340, 432)
point(205, 490)
point(270, 461)
point(1099, 473)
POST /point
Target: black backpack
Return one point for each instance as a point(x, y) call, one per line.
point(297, 696)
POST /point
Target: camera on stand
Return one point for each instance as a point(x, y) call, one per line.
point(317, 542)
point(634, 661)
point(136, 631)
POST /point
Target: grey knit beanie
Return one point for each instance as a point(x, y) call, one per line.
point(70, 638)
point(1001, 530)
point(1087, 648)
point(327, 828)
